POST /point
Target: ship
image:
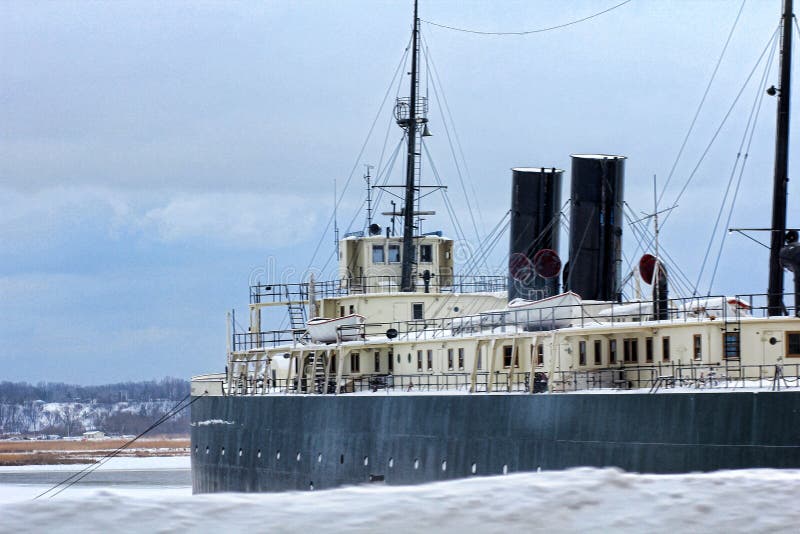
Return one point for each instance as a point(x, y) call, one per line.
point(401, 371)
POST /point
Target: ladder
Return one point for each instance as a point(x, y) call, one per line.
point(297, 315)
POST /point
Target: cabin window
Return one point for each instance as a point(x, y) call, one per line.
point(461, 359)
point(665, 356)
point(731, 345)
point(341, 311)
point(450, 359)
point(425, 253)
point(352, 309)
point(480, 358)
point(508, 353)
point(417, 312)
point(377, 362)
point(598, 352)
point(648, 349)
point(612, 351)
point(581, 353)
point(419, 361)
point(793, 344)
point(333, 363)
point(394, 253)
point(390, 361)
point(630, 350)
point(378, 254)
point(409, 358)
point(430, 360)
point(540, 354)
point(698, 347)
point(355, 362)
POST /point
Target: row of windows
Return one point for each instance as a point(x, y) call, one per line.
point(630, 349)
point(417, 311)
point(379, 254)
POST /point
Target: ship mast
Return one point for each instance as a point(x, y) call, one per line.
point(781, 177)
point(406, 281)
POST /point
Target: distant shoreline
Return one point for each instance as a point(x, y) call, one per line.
point(61, 451)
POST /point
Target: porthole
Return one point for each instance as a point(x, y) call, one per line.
point(319, 458)
point(474, 468)
point(222, 451)
point(444, 465)
point(391, 462)
point(456, 309)
point(240, 452)
point(505, 469)
point(258, 455)
point(416, 463)
point(366, 460)
point(298, 456)
point(278, 455)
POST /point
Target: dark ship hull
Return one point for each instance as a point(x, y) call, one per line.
point(279, 443)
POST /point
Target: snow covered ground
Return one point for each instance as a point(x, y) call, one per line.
point(567, 501)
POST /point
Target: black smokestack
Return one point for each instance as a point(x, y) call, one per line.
point(535, 225)
point(595, 243)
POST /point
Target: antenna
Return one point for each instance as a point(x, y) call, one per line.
point(335, 222)
point(368, 179)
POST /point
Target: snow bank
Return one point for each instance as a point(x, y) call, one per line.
point(578, 499)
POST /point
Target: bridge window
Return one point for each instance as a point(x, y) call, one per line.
point(648, 349)
point(449, 359)
point(793, 344)
point(665, 356)
point(394, 253)
point(581, 353)
point(461, 359)
point(630, 350)
point(731, 348)
point(698, 347)
point(378, 254)
point(425, 253)
point(598, 352)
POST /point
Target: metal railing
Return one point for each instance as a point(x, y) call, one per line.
point(359, 285)
point(724, 375)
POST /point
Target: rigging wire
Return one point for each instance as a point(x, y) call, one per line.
point(757, 107)
point(83, 473)
point(700, 105)
point(527, 32)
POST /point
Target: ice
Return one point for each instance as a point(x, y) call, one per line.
point(598, 500)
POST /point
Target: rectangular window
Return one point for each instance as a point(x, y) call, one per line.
point(450, 359)
point(598, 352)
point(461, 359)
point(391, 362)
point(480, 358)
point(540, 355)
point(377, 362)
point(425, 253)
point(419, 361)
point(333, 362)
point(352, 309)
point(630, 350)
point(698, 347)
point(612, 351)
point(648, 349)
point(508, 353)
point(581, 353)
point(355, 362)
point(341, 311)
point(377, 254)
point(417, 313)
point(665, 349)
point(394, 253)
point(793, 344)
point(430, 360)
point(731, 348)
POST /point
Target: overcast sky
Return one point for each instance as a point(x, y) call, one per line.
point(157, 156)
